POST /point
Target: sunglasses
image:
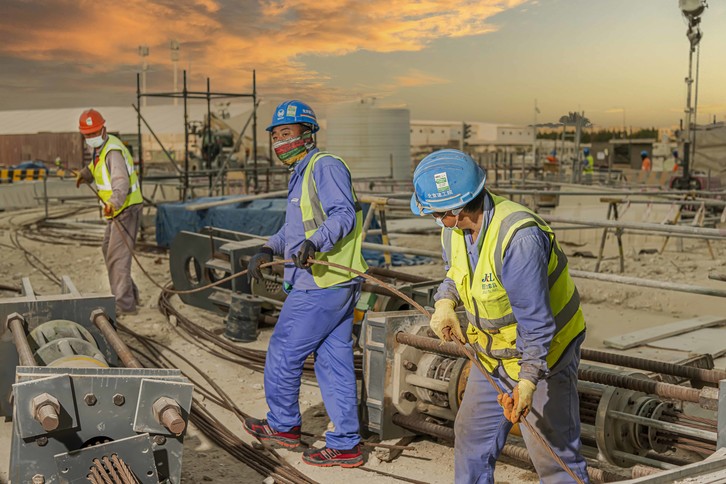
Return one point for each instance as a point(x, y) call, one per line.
point(454, 212)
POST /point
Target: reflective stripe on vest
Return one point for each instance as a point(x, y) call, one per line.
point(102, 176)
point(347, 251)
point(492, 321)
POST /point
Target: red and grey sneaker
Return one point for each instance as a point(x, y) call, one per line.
point(264, 433)
point(327, 457)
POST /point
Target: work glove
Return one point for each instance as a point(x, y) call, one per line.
point(108, 209)
point(518, 404)
point(307, 251)
point(79, 179)
point(253, 267)
point(445, 317)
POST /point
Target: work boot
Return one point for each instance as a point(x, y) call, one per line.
point(264, 433)
point(327, 457)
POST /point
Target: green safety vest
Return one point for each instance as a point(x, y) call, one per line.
point(347, 251)
point(589, 167)
point(102, 177)
point(492, 323)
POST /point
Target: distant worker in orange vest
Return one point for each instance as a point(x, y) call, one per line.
point(676, 161)
point(647, 165)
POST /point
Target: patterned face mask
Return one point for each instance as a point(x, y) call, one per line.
point(292, 150)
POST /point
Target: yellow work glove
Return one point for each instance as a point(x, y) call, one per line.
point(108, 210)
point(445, 317)
point(517, 406)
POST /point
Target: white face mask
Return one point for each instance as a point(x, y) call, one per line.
point(95, 142)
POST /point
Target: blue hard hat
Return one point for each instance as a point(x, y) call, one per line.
point(445, 180)
point(643, 153)
point(586, 151)
point(553, 152)
point(294, 112)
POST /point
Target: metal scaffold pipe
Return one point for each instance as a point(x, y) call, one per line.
point(711, 376)
point(667, 426)
point(635, 281)
point(659, 228)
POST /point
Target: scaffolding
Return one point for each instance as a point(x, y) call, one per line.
point(187, 95)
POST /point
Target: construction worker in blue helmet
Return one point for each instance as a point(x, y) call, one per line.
point(588, 162)
point(323, 222)
point(522, 316)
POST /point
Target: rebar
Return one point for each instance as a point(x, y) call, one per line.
point(16, 324)
point(99, 318)
point(651, 387)
point(430, 344)
point(711, 376)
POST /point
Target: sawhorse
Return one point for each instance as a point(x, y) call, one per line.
point(612, 215)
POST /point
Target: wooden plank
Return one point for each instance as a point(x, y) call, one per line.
point(710, 341)
point(643, 336)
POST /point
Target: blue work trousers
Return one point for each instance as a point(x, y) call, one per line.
point(318, 321)
point(481, 429)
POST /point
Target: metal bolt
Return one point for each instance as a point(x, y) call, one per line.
point(409, 396)
point(42, 441)
point(39, 479)
point(410, 365)
point(45, 409)
point(168, 413)
point(119, 399)
point(90, 399)
point(159, 439)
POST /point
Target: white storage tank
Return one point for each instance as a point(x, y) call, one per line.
point(374, 141)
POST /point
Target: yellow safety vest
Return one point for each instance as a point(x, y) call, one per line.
point(492, 323)
point(102, 177)
point(589, 167)
point(347, 251)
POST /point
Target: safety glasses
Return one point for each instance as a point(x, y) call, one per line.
point(440, 215)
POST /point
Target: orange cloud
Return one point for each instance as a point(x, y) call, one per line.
point(416, 78)
point(226, 39)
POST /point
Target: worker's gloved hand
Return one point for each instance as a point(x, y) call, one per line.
point(108, 209)
point(79, 179)
point(445, 317)
point(307, 250)
point(517, 406)
point(253, 268)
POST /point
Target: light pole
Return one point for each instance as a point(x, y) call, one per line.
point(144, 53)
point(174, 47)
point(691, 10)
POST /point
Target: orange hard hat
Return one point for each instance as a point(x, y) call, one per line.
point(90, 121)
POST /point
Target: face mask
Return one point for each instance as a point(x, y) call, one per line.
point(292, 150)
point(95, 142)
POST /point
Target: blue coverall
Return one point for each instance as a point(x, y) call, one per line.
point(481, 428)
point(315, 320)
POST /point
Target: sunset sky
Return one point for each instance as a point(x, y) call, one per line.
point(475, 60)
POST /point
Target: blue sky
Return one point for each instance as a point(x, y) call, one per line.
point(485, 60)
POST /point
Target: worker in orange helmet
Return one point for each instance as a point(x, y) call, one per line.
point(112, 170)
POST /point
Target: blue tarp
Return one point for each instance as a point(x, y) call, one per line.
point(258, 217)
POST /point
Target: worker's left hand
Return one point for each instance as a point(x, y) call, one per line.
point(108, 209)
point(517, 406)
point(307, 251)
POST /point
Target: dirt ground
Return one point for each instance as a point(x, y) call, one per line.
point(610, 309)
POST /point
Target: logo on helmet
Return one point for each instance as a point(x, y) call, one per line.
point(280, 113)
point(291, 110)
point(89, 121)
point(442, 182)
